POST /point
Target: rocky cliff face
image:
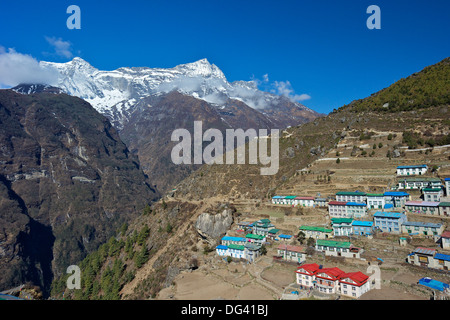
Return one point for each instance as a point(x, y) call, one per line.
point(212, 227)
point(67, 182)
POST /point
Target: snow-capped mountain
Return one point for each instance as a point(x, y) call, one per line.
point(115, 93)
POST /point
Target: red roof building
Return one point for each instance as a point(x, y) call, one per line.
point(354, 278)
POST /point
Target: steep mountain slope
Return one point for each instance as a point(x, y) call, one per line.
point(67, 182)
point(427, 88)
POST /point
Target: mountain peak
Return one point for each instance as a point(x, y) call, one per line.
point(201, 68)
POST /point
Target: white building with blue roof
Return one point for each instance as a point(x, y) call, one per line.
point(412, 170)
point(389, 221)
point(396, 198)
point(362, 228)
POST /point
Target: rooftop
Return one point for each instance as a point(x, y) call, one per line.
point(362, 223)
point(314, 228)
point(358, 204)
point(422, 224)
point(350, 193)
point(291, 248)
point(412, 166)
point(422, 203)
point(441, 256)
point(310, 267)
point(427, 251)
point(304, 198)
point(395, 215)
point(337, 203)
point(396, 194)
point(358, 277)
point(331, 243)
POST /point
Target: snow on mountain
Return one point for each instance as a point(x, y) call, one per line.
point(114, 93)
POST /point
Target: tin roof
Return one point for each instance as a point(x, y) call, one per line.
point(337, 203)
point(350, 193)
point(413, 166)
point(358, 277)
point(288, 247)
point(394, 215)
point(422, 224)
point(427, 251)
point(358, 204)
point(362, 223)
point(331, 243)
point(441, 256)
point(396, 194)
point(310, 268)
point(422, 203)
point(314, 228)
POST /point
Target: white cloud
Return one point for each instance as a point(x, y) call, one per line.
point(284, 88)
point(17, 68)
point(62, 48)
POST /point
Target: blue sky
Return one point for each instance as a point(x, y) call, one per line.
point(323, 48)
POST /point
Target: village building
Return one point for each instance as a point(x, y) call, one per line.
point(222, 250)
point(396, 199)
point(422, 257)
point(422, 228)
point(255, 238)
point(277, 200)
point(417, 183)
point(412, 170)
point(306, 275)
point(273, 233)
point(327, 280)
point(442, 261)
point(292, 253)
point(304, 201)
point(289, 200)
point(354, 284)
point(236, 251)
point(432, 194)
point(337, 209)
point(389, 221)
point(341, 226)
point(316, 232)
point(262, 227)
point(348, 196)
point(320, 202)
point(338, 248)
point(444, 208)
point(226, 240)
point(447, 187)
point(429, 258)
point(248, 251)
point(252, 251)
point(445, 240)
point(356, 209)
point(284, 237)
point(332, 280)
point(362, 228)
point(422, 207)
point(375, 201)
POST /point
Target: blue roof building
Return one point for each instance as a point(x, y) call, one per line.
point(362, 228)
point(389, 221)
